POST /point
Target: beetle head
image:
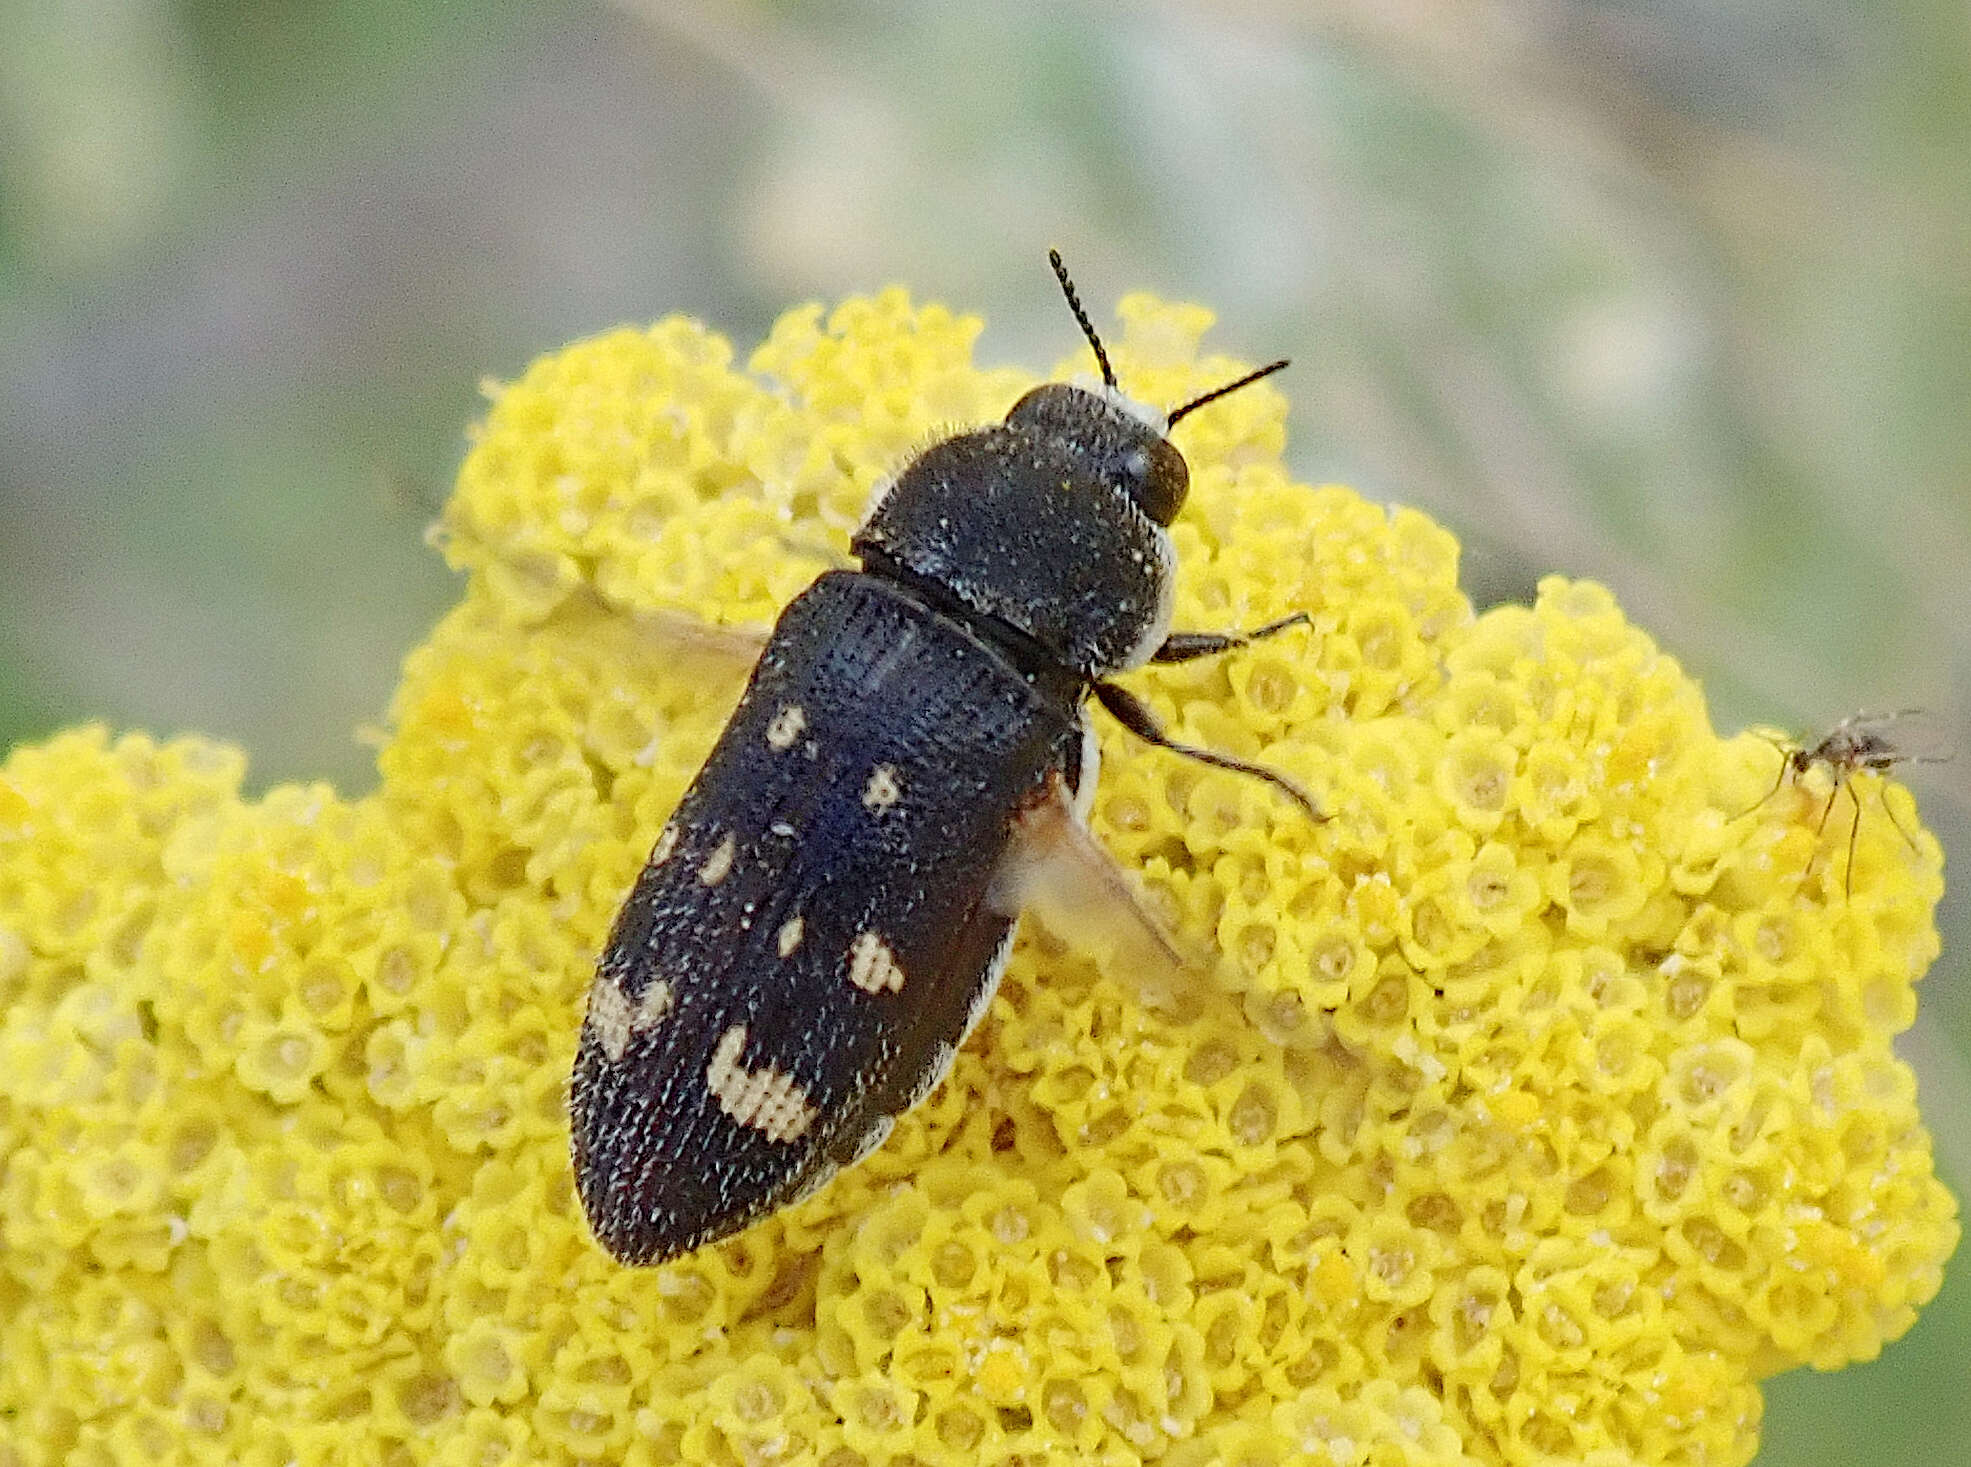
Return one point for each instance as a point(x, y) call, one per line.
point(1124, 443)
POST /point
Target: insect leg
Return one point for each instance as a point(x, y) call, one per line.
point(1828, 809)
point(1819, 826)
point(1183, 646)
point(1133, 714)
point(1854, 829)
point(1785, 763)
point(1896, 820)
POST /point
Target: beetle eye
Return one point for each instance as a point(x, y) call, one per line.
point(1155, 476)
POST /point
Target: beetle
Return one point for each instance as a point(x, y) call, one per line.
point(827, 913)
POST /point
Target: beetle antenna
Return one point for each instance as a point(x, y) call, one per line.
point(1087, 326)
point(1217, 392)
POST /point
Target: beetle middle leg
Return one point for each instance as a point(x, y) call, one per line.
point(1135, 715)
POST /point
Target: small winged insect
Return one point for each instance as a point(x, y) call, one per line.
point(1857, 744)
point(828, 912)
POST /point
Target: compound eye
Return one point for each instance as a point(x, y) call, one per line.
point(1157, 478)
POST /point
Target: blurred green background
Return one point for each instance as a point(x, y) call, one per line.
point(1674, 295)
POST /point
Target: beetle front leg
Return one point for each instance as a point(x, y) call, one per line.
point(1184, 646)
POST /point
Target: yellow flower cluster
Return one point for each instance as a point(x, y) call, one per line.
point(1553, 1105)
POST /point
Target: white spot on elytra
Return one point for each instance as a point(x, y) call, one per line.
point(765, 1099)
point(718, 863)
point(883, 789)
point(666, 843)
point(873, 967)
point(790, 935)
point(615, 1019)
point(786, 726)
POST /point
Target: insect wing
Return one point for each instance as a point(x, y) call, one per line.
point(1881, 741)
point(812, 937)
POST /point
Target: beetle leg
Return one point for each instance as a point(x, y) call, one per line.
point(1183, 646)
point(1135, 715)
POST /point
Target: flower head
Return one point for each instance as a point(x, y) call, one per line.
point(1555, 1109)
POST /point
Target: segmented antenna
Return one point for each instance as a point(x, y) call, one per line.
point(1087, 326)
point(1217, 392)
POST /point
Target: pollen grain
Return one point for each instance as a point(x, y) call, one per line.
point(719, 864)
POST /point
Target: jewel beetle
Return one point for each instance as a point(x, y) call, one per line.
point(827, 913)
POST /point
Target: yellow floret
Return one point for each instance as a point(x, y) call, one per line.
point(1550, 1106)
